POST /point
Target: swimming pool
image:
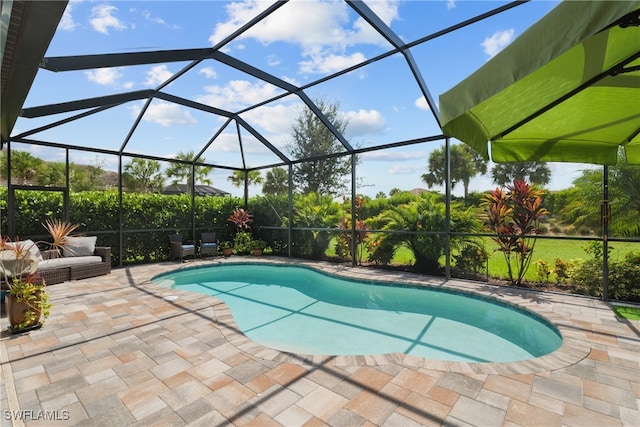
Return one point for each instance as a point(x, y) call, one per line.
point(301, 310)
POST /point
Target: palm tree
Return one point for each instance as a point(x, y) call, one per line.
point(24, 166)
point(237, 178)
point(534, 172)
point(182, 171)
point(465, 164)
point(52, 174)
point(276, 182)
point(143, 175)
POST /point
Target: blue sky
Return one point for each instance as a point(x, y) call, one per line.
point(302, 41)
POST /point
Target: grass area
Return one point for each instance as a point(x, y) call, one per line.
point(547, 250)
point(631, 313)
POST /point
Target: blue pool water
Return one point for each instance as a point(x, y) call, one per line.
point(300, 310)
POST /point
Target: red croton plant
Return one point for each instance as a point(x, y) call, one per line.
point(242, 219)
point(513, 213)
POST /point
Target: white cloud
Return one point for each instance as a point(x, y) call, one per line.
point(237, 94)
point(239, 14)
point(387, 11)
point(67, 23)
point(495, 43)
point(273, 60)
point(158, 75)
point(102, 19)
point(328, 63)
point(228, 143)
point(363, 122)
point(147, 15)
point(393, 156)
point(422, 104)
point(402, 169)
point(276, 119)
point(157, 20)
point(165, 114)
point(291, 80)
point(451, 4)
point(322, 29)
point(307, 23)
point(104, 76)
point(208, 72)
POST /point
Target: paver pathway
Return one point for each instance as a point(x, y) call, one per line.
point(119, 351)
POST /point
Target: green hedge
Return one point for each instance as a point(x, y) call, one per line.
point(146, 219)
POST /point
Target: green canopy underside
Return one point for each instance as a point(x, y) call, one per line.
point(560, 56)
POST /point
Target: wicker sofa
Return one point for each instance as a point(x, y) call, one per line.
point(80, 259)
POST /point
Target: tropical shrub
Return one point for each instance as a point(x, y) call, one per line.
point(514, 215)
point(344, 245)
point(623, 278)
point(375, 207)
point(561, 269)
point(472, 258)
point(311, 213)
point(419, 225)
point(543, 270)
point(270, 211)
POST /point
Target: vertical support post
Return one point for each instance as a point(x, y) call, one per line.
point(246, 189)
point(447, 244)
point(65, 197)
point(354, 242)
point(604, 212)
point(120, 211)
point(11, 202)
point(290, 228)
point(193, 200)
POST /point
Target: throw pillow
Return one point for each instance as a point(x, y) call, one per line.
point(79, 246)
point(27, 245)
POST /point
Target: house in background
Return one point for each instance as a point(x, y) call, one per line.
point(199, 190)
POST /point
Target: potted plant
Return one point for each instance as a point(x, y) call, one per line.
point(258, 247)
point(227, 248)
point(27, 300)
point(27, 303)
point(242, 243)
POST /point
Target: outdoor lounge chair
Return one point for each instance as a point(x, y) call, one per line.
point(208, 244)
point(181, 248)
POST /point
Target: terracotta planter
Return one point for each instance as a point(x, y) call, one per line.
point(257, 252)
point(227, 251)
point(16, 312)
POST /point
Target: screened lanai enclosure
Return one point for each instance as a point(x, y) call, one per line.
point(323, 120)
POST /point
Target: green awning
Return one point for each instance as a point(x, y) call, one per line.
point(566, 90)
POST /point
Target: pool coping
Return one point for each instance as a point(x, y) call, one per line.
point(574, 347)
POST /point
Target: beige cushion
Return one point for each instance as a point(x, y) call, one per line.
point(79, 246)
point(56, 263)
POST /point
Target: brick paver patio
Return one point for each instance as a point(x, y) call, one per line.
point(119, 351)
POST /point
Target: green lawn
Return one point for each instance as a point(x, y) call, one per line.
point(547, 250)
point(631, 313)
